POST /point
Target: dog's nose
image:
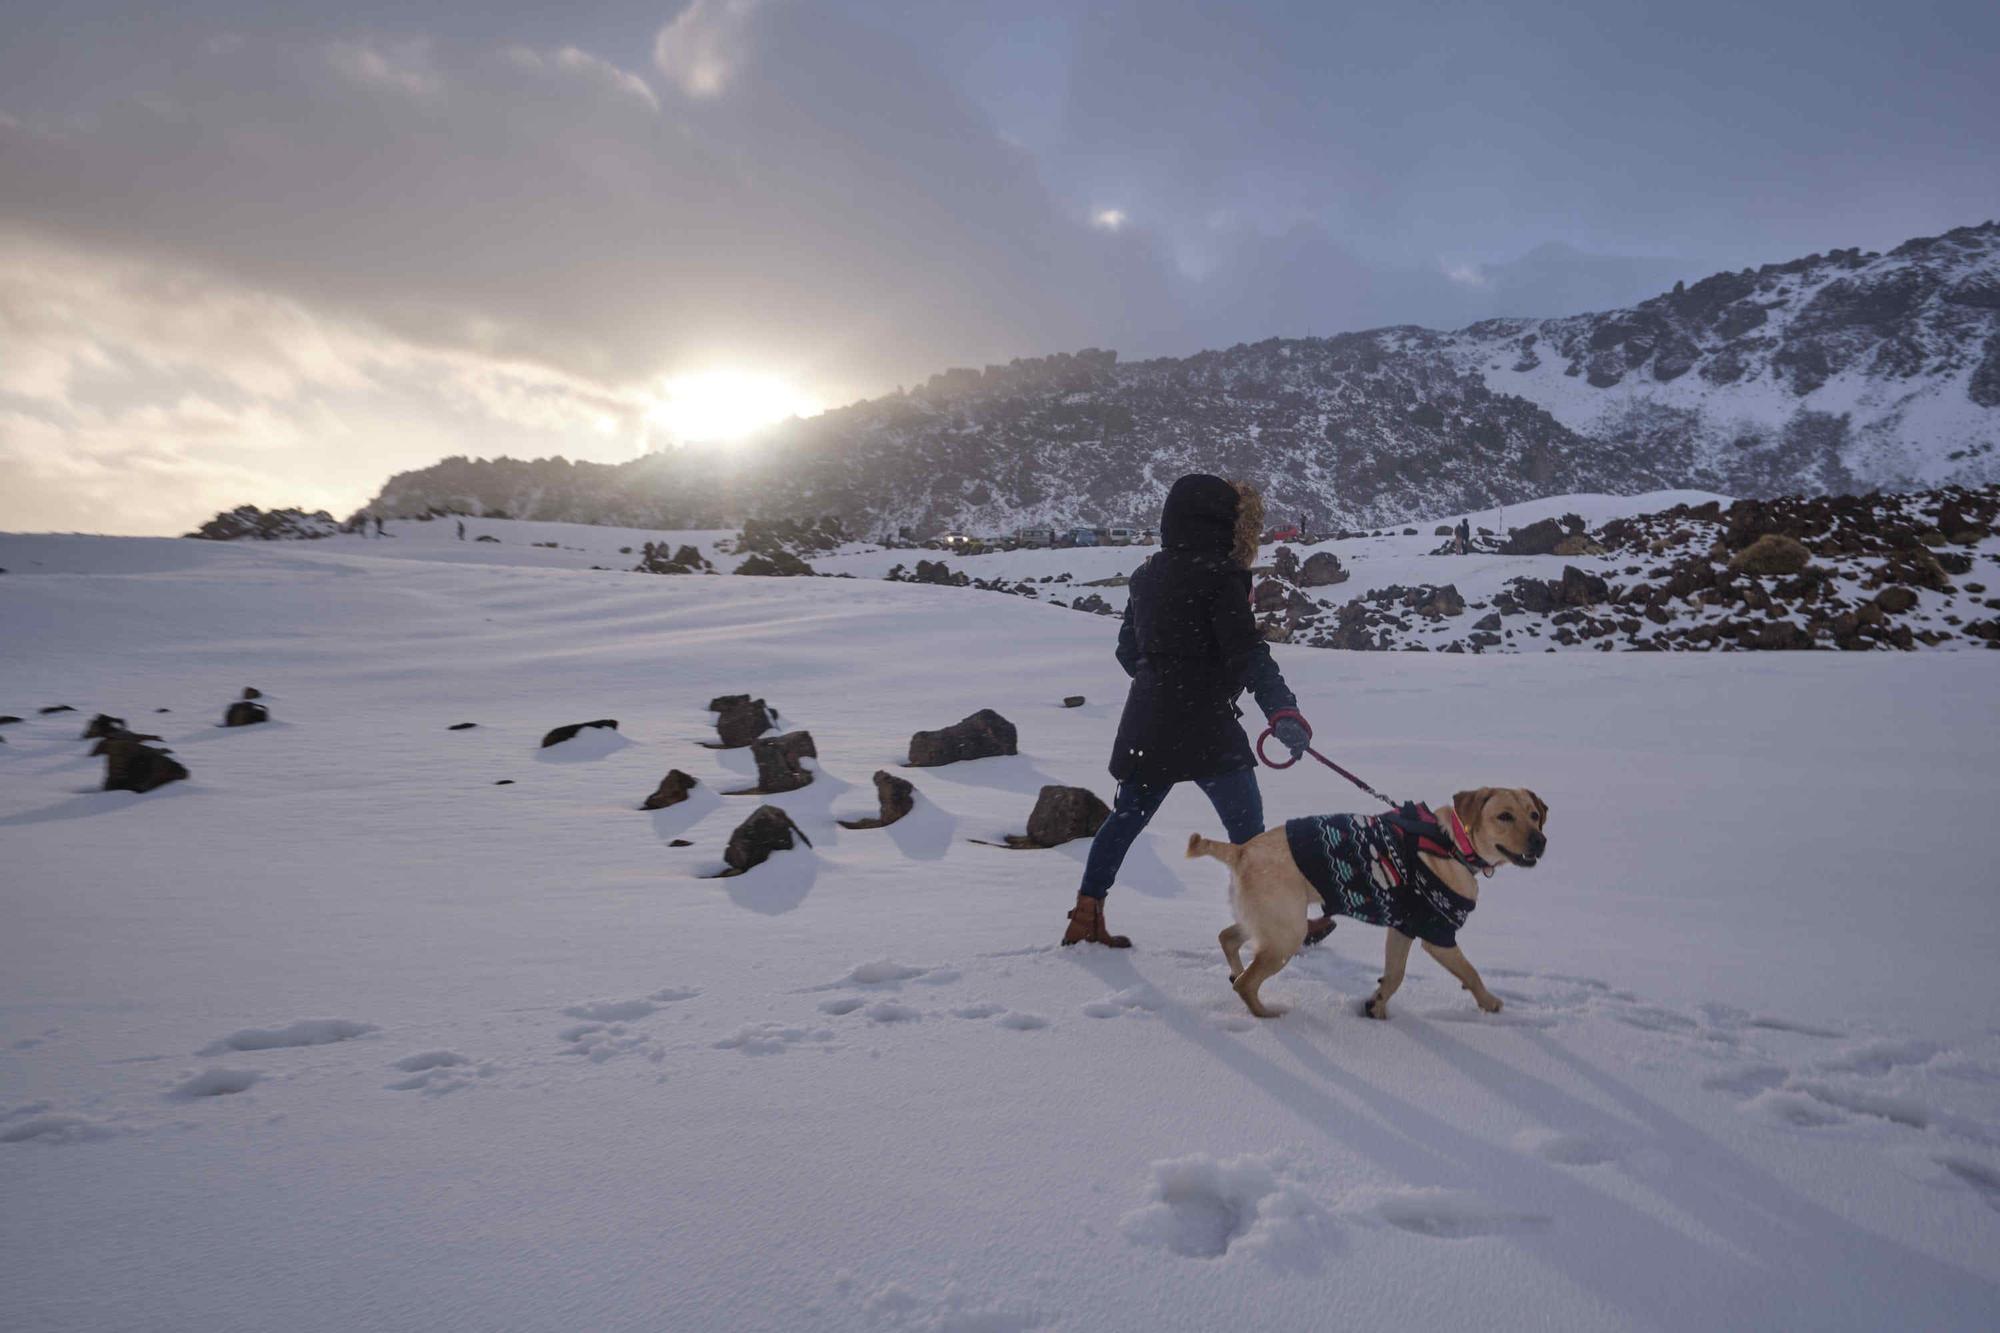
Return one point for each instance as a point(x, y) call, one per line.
point(1537, 844)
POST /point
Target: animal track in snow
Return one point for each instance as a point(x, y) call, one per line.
point(1879, 1057)
point(1143, 997)
point(612, 1011)
point(1746, 1080)
point(437, 1072)
point(1204, 1208)
point(982, 1010)
point(845, 1004)
point(305, 1032)
point(52, 1128)
point(214, 1083)
point(1020, 1022)
point(606, 1041)
point(1454, 1215)
point(883, 973)
point(888, 1011)
point(771, 1038)
point(1793, 1108)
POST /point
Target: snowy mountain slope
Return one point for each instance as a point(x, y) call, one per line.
point(340, 1034)
point(1839, 372)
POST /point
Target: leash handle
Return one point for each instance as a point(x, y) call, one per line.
point(1272, 763)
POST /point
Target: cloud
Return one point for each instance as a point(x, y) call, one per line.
point(704, 45)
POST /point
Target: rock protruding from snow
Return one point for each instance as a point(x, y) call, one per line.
point(102, 727)
point(1062, 814)
point(1772, 553)
point(1321, 569)
point(768, 829)
point(245, 713)
point(898, 797)
point(780, 763)
point(1072, 701)
point(569, 731)
point(249, 523)
point(133, 765)
point(982, 735)
point(673, 789)
point(739, 719)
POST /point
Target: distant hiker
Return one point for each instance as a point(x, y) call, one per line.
point(378, 526)
point(1464, 535)
point(461, 529)
point(1191, 646)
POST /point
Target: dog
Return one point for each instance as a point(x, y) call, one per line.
point(1411, 871)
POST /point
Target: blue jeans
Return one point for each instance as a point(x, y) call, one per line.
point(1234, 796)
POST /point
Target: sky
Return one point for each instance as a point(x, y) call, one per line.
point(259, 251)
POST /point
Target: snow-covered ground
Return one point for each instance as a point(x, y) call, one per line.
point(341, 1035)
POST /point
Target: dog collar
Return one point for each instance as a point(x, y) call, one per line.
point(1462, 844)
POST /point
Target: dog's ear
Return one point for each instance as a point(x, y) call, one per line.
point(1469, 803)
point(1541, 806)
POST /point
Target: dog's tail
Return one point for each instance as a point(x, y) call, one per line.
point(1225, 852)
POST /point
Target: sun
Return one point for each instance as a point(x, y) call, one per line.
point(719, 405)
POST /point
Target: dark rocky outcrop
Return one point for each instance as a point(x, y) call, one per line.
point(739, 720)
point(461, 726)
point(244, 713)
point(249, 523)
point(1321, 569)
point(897, 797)
point(779, 763)
point(1062, 814)
point(673, 789)
point(103, 725)
point(777, 564)
point(7, 718)
point(1772, 553)
point(55, 708)
point(982, 735)
point(132, 765)
point(767, 830)
point(570, 730)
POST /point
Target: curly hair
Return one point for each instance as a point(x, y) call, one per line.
point(1249, 524)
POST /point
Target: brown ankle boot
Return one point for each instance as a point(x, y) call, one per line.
point(1086, 925)
point(1317, 931)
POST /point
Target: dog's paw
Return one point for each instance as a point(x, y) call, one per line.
point(1376, 1008)
point(1490, 1003)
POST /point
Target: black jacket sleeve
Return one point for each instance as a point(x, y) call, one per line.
point(1246, 658)
point(1128, 642)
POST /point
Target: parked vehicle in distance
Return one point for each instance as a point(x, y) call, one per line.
point(1027, 537)
point(1083, 536)
point(1120, 536)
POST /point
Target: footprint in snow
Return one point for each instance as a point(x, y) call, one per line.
point(1203, 1207)
point(599, 1042)
point(1020, 1022)
point(772, 1038)
point(437, 1072)
point(1876, 1058)
point(214, 1083)
point(1565, 1149)
point(1143, 998)
point(305, 1032)
point(982, 1010)
point(38, 1125)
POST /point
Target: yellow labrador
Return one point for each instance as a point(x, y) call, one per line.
point(1410, 871)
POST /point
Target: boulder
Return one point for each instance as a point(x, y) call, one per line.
point(739, 720)
point(1489, 621)
point(569, 731)
point(1580, 589)
point(1896, 599)
point(252, 692)
point(132, 765)
point(55, 708)
point(680, 842)
point(778, 763)
point(1069, 701)
point(982, 735)
point(1772, 553)
point(673, 789)
point(777, 564)
point(897, 796)
point(103, 725)
point(244, 713)
point(7, 718)
point(461, 726)
point(767, 830)
point(1060, 815)
point(1445, 601)
point(1539, 538)
point(1321, 570)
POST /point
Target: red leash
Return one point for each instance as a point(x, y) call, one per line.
point(1272, 763)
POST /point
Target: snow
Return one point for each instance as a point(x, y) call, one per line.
point(1748, 1072)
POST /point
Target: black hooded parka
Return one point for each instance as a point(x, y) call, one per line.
point(1191, 646)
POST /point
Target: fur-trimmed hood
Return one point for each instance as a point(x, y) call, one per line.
point(1207, 514)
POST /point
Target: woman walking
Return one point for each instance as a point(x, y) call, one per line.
point(1191, 646)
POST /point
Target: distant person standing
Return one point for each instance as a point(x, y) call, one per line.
point(461, 529)
point(378, 526)
point(1464, 535)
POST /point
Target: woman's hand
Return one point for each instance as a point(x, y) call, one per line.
point(1292, 732)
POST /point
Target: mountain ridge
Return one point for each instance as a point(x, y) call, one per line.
point(1836, 372)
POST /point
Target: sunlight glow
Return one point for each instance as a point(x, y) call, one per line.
point(725, 405)
point(1110, 219)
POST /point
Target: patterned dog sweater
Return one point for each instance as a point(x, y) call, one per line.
point(1367, 867)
